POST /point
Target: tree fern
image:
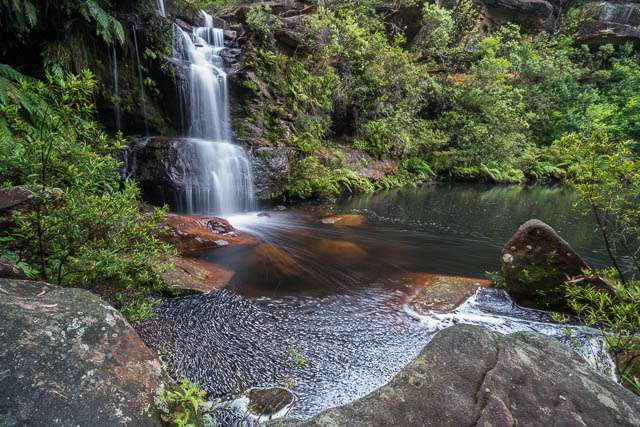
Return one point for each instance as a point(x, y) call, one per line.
point(106, 25)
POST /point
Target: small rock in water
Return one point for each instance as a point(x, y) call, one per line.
point(264, 214)
point(444, 293)
point(349, 220)
point(269, 401)
point(280, 208)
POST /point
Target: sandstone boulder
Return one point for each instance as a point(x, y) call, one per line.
point(197, 275)
point(192, 233)
point(68, 358)
point(470, 376)
point(269, 401)
point(9, 270)
point(443, 293)
point(536, 261)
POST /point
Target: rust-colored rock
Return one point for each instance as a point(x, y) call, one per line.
point(348, 220)
point(198, 275)
point(268, 255)
point(340, 250)
point(192, 233)
point(443, 293)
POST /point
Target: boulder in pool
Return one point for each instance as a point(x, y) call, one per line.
point(67, 358)
point(470, 376)
point(268, 401)
point(443, 293)
point(536, 262)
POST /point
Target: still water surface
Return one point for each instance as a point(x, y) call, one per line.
point(340, 292)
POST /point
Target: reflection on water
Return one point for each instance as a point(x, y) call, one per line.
point(340, 292)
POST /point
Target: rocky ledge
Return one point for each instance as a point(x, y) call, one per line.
point(470, 376)
point(67, 358)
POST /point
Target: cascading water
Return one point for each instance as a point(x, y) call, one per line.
point(143, 102)
point(224, 184)
point(116, 91)
point(160, 5)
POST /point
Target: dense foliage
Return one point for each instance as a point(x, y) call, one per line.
point(462, 104)
point(85, 227)
point(606, 174)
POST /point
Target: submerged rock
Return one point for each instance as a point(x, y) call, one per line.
point(470, 376)
point(536, 261)
point(444, 293)
point(348, 220)
point(269, 401)
point(340, 250)
point(68, 358)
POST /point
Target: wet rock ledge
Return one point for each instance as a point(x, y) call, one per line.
point(67, 358)
point(470, 376)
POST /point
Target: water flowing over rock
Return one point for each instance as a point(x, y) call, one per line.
point(536, 261)
point(443, 293)
point(68, 358)
point(468, 375)
point(208, 175)
point(190, 175)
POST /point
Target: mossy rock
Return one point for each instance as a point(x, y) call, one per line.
point(536, 262)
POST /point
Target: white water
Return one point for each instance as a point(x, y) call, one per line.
point(143, 102)
point(225, 184)
point(116, 90)
point(160, 5)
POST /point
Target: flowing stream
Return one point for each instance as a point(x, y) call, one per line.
point(340, 293)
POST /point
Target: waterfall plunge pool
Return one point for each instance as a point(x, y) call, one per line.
point(340, 292)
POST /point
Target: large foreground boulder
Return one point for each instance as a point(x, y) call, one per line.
point(536, 261)
point(470, 376)
point(67, 358)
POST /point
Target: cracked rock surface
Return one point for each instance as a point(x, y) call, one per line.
point(68, 358)
point(470, 376)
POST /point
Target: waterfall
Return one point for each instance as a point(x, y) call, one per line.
point(116, 91)
point(144, 105)
point(160, 5)
point(225, 184)
point(206, 94)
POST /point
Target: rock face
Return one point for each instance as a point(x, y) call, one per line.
point(271, 169)
point(444, 293)
point(535, 263)
point(9, 270)
point(163, 168)
point(610, 23)
point(269, 401)
point(70, 359)
point(12, 199)
point(470, 376)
